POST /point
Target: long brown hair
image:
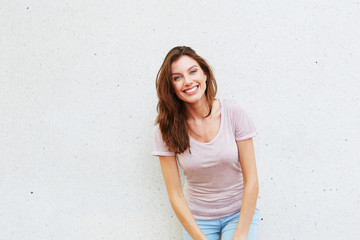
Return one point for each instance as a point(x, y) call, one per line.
point(172, 113)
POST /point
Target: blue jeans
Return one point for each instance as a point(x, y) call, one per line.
point(225, 226)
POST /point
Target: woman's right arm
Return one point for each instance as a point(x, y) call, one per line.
point(171, 177)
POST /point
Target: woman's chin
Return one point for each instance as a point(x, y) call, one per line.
point(194, 99)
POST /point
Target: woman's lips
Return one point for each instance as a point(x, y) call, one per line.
point(192, 90)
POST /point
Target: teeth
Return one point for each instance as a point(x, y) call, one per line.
point(191, 90)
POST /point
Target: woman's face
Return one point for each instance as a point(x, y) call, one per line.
point(188, 79)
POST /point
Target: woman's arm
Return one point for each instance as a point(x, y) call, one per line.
point(171, 176)
point(251, 188)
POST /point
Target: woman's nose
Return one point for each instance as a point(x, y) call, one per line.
point(187, 79)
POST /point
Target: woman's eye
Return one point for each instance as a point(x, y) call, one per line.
point(176, 78)
point(193, 71)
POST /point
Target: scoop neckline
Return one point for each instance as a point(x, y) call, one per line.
point(219, 131)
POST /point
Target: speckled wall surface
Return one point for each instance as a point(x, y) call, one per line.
point(77, 104)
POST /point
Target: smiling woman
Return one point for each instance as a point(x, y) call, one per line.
point(189, 83)
point(212, 140)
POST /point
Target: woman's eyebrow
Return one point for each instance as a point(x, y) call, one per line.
point(192, 67)
point(188, 69)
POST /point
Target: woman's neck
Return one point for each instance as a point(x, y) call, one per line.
point(198, 110)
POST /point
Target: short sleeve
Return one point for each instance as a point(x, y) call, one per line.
point(160, 148)
point(243, 125)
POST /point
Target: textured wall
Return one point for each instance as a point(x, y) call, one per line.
point(77, 104)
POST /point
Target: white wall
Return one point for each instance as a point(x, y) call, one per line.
point(77, 104)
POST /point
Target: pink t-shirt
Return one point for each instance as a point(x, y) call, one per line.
point(214, 185)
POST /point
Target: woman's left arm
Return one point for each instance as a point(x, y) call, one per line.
point(251, 188)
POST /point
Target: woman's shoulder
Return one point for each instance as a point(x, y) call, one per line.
point(230, 101)
point(233, 108)
point(231, 104)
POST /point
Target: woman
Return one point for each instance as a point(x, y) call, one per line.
point(212, 141)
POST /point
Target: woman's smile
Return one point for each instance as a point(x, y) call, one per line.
point(191, 91)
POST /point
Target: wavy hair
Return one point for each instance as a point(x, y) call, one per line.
point(172, 113)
